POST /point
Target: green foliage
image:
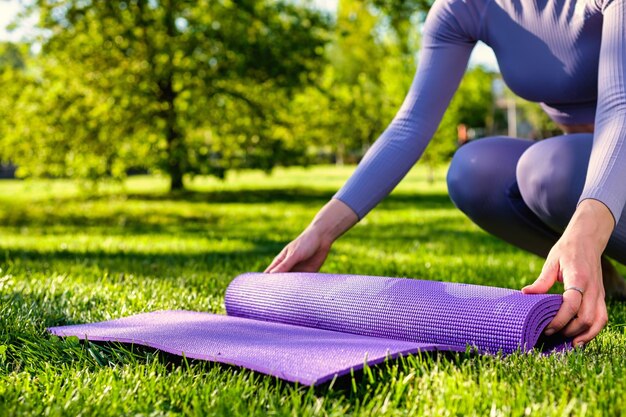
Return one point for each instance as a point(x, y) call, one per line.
point(543, 126)
point(184, 86)
point(203, 87)
point(66, 258)
point(12, 61)
point(471, 105)
point(12, 56)
point(371, 65)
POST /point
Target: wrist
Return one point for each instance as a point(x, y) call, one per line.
point(593, 222)
point(325, 236)
point(333, 220)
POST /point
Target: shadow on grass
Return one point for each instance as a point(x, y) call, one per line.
point(295, 195)
point(242, 195)
point(250, 228)
point(63, 212)
point(255, 236)
point(122, 264)
point(256, 250)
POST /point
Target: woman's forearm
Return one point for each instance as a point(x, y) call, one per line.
point(592, 221)
point(575, 261)
point(309, 250)
point(333, 220)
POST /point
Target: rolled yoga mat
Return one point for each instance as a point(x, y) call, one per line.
point(311, 327)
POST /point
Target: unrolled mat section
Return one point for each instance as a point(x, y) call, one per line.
point(311, 327)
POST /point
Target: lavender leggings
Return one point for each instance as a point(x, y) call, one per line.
point(525, 192)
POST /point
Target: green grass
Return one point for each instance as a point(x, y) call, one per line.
point(68, 257)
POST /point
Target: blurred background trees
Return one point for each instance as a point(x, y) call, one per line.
point(179, 86)
point(111, 87)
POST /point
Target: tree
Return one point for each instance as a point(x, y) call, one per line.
point(371, 61)
point(12, 61)
point(12, 56)
point(183, 86)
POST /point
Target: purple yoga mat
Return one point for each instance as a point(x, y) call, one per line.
point(311, 327)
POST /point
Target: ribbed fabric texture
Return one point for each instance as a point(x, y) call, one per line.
point(568, 55)
point(607, 168)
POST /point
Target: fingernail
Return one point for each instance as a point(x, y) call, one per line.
point(579, 345)
point(549, 332)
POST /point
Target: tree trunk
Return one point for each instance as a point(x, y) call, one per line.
point(175, 152)
point(431, 174)
point(340, 154)
point(175, 145)
point(176, 155)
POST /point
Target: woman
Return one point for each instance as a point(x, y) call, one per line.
point(561, 198)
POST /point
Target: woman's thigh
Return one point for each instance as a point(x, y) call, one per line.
point(551, 176)
point(482, 183)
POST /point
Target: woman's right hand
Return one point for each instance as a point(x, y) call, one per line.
point(308, 251)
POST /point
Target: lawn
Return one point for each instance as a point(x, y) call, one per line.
point(69, 255)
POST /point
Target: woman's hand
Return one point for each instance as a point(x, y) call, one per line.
point(575, 261)
point(308, 251)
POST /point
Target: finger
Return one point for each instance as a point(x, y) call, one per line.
point(546, 280)
point(304, 267)
point(600, 321)
point(286, 263)
point(277, 259)
point(312, 264)
point(568, 310)
point(584, 319)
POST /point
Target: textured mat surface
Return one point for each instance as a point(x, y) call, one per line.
point(309, 327)
point(294, 353)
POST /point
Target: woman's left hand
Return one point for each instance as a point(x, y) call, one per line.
point(575, 261)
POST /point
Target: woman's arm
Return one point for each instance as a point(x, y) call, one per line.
point(607, 165)
point(450, 33)
point(308, 251)
point(575, 259)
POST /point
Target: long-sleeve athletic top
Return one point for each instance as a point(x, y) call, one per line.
point(568, 55)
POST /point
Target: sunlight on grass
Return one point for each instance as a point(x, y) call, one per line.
point(68, 255)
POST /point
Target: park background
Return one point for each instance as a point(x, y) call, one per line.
point(153, 150)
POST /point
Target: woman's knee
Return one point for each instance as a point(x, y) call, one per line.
point(481, 170)
point(551, 175)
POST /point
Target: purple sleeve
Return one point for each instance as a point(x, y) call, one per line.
point(606, 176)
point(450, 33)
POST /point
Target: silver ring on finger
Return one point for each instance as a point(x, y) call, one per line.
point(572, 287)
